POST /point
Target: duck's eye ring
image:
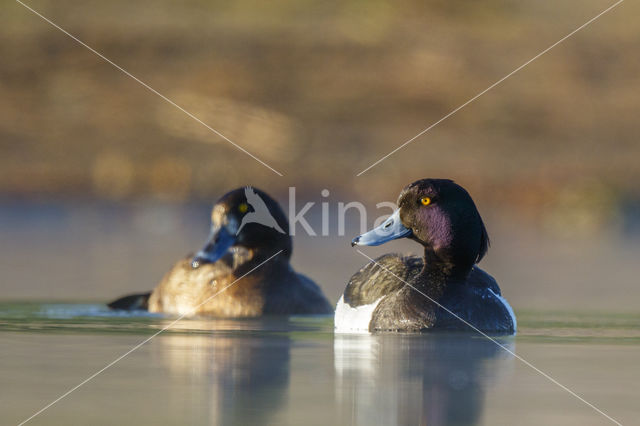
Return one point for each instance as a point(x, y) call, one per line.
point(242, 208)
point(425, 201)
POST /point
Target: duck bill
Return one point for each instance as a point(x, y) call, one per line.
point(390, 229)
point(220, 241)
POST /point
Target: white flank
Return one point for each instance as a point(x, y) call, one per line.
point(509, 309)
point(353, 320)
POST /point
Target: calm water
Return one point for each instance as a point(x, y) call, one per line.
point(296, 371)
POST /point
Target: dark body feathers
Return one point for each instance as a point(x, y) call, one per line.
point(407, 307)
point(444, 289)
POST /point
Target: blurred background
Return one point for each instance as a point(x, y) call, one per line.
point(103, 184)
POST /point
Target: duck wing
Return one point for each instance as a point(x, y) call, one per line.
point(302, 297)
point(386, 275)
point(480, 303)
point(131, 302)
point(481, 280)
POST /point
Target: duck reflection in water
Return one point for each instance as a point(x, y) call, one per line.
point(226, 378)
point(438, 379)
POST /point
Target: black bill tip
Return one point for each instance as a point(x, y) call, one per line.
point(196, 262)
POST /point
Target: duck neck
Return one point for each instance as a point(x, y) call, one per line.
point(440, 271)
point(249, 260)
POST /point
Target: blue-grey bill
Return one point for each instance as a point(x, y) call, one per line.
point(219, 242)
point(390, 229)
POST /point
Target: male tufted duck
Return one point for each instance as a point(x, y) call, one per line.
point(441, 216)
point(248, 228)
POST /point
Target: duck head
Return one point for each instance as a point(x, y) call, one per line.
point(441, 216)
point(246, 217)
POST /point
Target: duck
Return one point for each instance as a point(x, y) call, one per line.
point(442, 290)
point(243, 270)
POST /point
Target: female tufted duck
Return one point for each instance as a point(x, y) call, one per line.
point(248, 228)
point(441, 216)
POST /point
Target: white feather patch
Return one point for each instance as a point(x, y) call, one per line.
point(353, 320)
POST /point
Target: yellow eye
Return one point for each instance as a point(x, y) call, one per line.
point(242, 208)
point(425, 201)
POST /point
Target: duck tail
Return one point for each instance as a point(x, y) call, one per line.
point(132, 302)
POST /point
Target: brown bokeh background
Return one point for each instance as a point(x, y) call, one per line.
point(320, 91)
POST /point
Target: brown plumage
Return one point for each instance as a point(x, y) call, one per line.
point(243, 271)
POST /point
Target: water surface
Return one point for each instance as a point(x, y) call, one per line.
point(296, 371)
